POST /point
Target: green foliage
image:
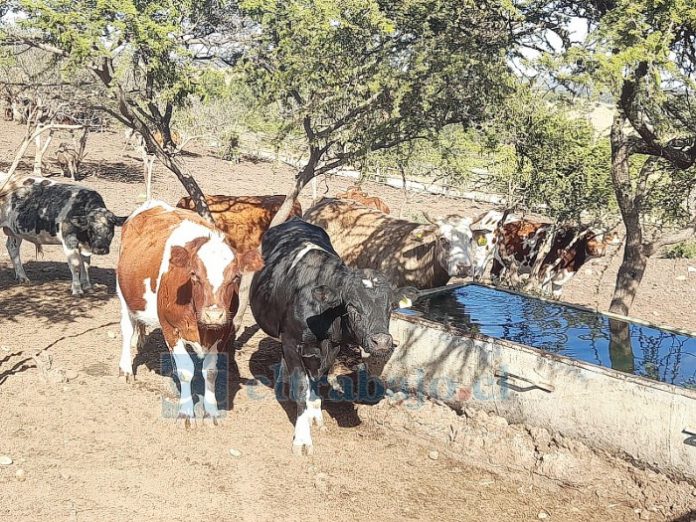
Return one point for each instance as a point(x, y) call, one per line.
point(550, 159)
point(686, 250)
point(449, 157)
point(363, 75)
point(145, 33)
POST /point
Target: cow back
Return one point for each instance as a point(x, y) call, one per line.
point(243, 219)
point(367, 238)
point(293, 267)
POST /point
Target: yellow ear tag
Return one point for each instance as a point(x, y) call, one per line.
point(481, 241)
point(419, 235)
point(405, 303)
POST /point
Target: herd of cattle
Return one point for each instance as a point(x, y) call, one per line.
point(324, 279)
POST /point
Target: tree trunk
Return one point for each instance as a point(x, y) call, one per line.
point(634, 259)
point(630, 274)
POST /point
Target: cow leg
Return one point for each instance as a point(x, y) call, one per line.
point(184, 370)
point(13, 243)
point(314, 406)
point(128, 334)
point(75, 265)
point(300, 392)
point(85, 283)
point(209, 376)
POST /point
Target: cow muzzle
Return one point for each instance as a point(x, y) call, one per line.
point(213, 317)
point(380, 345)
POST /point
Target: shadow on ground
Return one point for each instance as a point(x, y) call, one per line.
point(154, 356)
point(47, 296)
point(357, 386)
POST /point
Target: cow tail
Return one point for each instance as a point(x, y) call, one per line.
point(39, 250)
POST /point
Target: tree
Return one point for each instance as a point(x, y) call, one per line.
point(550, 159)
point(363, 75)
point(641, 53)
point(141, 53)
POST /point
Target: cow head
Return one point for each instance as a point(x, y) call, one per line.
point(454, 244)
point(96, 229)
point(212, 276)
point(368, 299)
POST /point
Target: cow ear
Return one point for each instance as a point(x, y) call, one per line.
point(404, 297)
point(250, 261)
point(180, 257)
point(81, 222)
point(326, 295)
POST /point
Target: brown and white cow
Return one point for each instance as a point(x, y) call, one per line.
point(243, 219)
point(517, 245)
point(407, 253)
point(355, 193)
point(177, 272)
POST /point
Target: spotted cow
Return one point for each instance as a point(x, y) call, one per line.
point(179, 273)
point(44, 212)
point(518, 243)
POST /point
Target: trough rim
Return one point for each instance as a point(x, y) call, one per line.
point(540, 352)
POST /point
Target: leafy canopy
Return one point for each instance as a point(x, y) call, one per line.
point(364, 75)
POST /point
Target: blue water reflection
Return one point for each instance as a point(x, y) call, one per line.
point(594, 338)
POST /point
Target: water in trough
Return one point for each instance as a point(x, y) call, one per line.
point(595, 338)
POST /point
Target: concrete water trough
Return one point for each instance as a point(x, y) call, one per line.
point(616, 384)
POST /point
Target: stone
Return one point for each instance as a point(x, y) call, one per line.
point(111, 335)
point(21, 475)
point(235, 452)
point(433, 455)
point(321, 482)
point(5, 460)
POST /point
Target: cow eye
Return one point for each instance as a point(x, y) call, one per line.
point(194, 277)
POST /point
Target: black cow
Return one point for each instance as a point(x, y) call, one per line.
point(48, 213)
point(310, 300)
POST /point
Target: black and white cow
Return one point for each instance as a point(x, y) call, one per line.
point(44, 212)
point(310, 300)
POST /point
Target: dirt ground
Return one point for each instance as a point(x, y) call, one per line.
point(87, 446)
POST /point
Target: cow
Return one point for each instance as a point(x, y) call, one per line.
point(177, 272)
point(483, 229)
point(408, 253)
point(44, 212)
point(355, 193)
point(306, 297)
point(519, 243)
point(243, 219)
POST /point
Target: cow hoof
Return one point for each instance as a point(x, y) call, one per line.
point(23, 280)
point(88, 289)
point(211, 420)
point(302, 449)
point(185, 420)
point(128, 377)
point(78, 292)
